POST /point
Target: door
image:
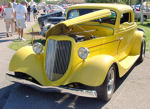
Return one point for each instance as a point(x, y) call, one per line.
point(125, 35)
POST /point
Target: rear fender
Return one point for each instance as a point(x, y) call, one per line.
point(26, 61)
point(93, 71)
point(138, 37)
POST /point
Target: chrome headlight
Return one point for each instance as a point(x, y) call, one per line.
point(37, 47)
point(83, 53)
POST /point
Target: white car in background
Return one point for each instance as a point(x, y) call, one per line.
point(146, 11)
point(57, 8)
point(41, 5)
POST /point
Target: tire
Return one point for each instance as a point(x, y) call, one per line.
point(106, 90)
point(144, 18)
point(142, 52)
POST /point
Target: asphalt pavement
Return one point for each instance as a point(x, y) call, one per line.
point(132, 90)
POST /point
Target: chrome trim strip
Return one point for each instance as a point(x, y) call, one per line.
point(66, 90)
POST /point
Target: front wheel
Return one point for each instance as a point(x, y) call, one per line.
point(106, 90)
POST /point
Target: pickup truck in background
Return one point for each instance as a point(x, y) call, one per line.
point(146, 15)
point(146, 11)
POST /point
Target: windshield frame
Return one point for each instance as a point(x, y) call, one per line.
point(92, 10)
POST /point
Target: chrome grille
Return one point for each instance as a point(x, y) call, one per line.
point(57, 58)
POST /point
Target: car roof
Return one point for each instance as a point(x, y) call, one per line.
point(112, 6)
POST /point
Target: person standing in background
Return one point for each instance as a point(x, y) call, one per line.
point(14, 3)
point(9, 18)
point(44, 10)
point(21, 17)
point(14, 6)
point(29, 12)
point(34, 12)
point(47, 9)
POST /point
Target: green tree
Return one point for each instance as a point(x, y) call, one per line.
point(130, 2)
point(28, 1)
point(99, 1)
point(37, 1)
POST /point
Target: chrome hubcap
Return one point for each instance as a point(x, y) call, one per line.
point(111, 79)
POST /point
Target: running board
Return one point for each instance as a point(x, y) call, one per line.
point(127, 63)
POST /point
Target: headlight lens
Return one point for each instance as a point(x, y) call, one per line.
point(83, 53)
point(37, 47)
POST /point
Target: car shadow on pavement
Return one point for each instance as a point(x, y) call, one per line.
point(4, 94)
point(7, 40)
point(23, 97)
point(2, 35)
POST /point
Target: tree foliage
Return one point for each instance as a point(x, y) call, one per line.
point(131, 2)
point(98, 1)
point(28, 1)
point(37, 1)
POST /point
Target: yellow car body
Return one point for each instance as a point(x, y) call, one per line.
point(116, 44)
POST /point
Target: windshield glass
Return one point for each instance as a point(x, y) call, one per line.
point(78, 12)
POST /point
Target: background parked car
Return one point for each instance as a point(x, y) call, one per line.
point(146, 11)
point(48, 20)
point(55, 15)
point(2, 10)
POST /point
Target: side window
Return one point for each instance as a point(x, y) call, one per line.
point(110, 19)
point(126, 17)
point(73, 14)
point(78, 12)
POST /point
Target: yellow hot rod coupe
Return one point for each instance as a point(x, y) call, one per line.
point(84, 54)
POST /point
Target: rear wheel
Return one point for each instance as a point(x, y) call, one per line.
point(106, 90)
point(142, 53)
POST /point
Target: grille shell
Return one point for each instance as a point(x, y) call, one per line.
point(57, 58)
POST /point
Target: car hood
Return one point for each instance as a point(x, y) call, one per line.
point(63, 27)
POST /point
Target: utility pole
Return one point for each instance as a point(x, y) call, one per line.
point(141, 12)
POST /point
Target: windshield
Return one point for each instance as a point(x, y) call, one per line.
point(78, 12)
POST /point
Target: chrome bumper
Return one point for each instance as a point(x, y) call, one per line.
point(66, 90)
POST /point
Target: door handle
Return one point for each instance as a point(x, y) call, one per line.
point(121, 38)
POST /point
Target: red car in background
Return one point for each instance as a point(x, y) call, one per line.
point(2, 9)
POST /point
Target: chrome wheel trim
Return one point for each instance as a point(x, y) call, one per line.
point(111, 81)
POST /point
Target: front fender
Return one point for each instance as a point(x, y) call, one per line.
point(26, 61)
point(93, 71)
